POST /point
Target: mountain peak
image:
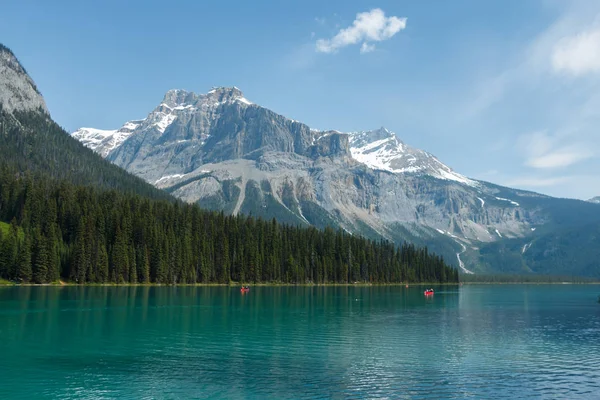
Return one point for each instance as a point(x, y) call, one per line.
point(379, 134)
point(17, 90)
point(227, 94)
point(226, 91)
point(363, 138)
point(176, 97)
point(595, 200)
point(217, 95)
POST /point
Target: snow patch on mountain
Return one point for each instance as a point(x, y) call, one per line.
point(461, 263)
point(166, 177)
point(164, 122)
point(104, 141)
point(514, 203)
point(244, 100)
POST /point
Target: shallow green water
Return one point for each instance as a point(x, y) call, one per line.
point(511, 341)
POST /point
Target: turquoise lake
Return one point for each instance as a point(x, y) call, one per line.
point(471, 341)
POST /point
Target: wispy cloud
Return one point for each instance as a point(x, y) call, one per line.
point(368, 27)
point(537, 182)
point(560, 158)
point(569, 45)
point(546, 151)
point(578, 54)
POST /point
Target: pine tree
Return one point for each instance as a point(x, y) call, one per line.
point(40, 258)
point(24, 273)
point(120, 259)
point(102, 262)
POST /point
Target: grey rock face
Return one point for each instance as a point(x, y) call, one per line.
point(17, 90)
point(188, 130)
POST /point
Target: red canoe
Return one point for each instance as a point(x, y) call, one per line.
point(428, 292)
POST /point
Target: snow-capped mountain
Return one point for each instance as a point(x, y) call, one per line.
point(378, 149)
point(225, 153)
point(381, 149)
point(105, 141)
point(176, 104)
point(595, 200)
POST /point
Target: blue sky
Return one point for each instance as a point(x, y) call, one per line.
point(504, 91)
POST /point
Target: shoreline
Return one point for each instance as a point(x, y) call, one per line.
point(274, 284)
point(232, 284)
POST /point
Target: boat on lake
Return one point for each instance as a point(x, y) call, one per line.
point(428, 292)
point(245, 289)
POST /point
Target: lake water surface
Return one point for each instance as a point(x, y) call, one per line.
point(471, 341)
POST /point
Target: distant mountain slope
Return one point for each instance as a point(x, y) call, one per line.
point(595, 200)
point(31, 141)
point(571, 251)
point(224, 152)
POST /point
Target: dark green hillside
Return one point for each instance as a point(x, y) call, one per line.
point(572, 251)
point(31, 141)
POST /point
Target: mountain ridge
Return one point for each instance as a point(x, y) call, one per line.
point(369, 152)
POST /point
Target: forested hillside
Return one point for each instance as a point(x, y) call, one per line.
point(31, 141)
point(83, 234)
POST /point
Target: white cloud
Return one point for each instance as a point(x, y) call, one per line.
point(545, 151)
point(535, 64)
point(578, 54)
point(537, 182)
point(371, 26)
point(367, 48)
point(560, 158)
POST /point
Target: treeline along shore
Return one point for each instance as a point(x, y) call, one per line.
point(53, 230)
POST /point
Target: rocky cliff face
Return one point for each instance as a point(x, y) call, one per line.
point(188, 130)
point(17, 90)
point(222, 151)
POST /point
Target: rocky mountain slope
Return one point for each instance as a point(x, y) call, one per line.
point(17, 90)
point(595, 200)
point(222, 151)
